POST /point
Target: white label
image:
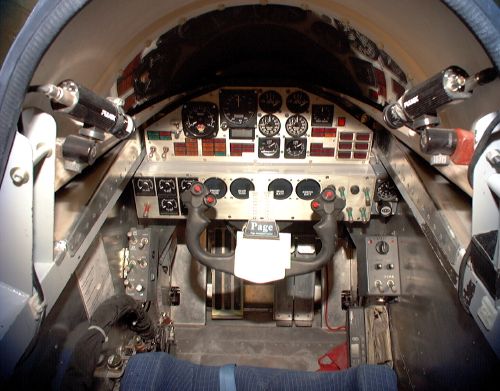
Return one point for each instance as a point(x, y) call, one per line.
point(411, 102)
point(108, 115)
point(94, 279)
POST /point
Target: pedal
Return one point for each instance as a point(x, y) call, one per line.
point(227, 290)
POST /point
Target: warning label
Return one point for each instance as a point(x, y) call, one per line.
point(94, 278)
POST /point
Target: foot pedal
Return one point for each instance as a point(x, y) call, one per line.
point(303, 302)
point(294, 301)
point(283, 302)
point(227, 290)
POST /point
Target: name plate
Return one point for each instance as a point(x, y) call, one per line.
point(260, 229)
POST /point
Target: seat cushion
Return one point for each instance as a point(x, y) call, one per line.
point(160, 371)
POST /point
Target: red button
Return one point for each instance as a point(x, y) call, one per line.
point(328, 195)
point(210, 199)
point(197, 188)
point(315, 204)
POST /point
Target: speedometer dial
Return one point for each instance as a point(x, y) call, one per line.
point(270, 101)
point(297, 102)
point(200, 119)
point(295, 148)
point(269, 125)
point(269, 148)
point(239, 107)
point(296, 125)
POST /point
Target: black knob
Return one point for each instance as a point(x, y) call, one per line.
point(382, 247)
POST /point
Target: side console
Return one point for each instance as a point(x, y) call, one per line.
point(140, 264)
point(378, 267)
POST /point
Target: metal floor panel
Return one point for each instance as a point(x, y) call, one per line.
point(255, 342)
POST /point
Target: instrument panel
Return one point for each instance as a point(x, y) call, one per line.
point(271, 125)
point(247, 191)
point(264, 153)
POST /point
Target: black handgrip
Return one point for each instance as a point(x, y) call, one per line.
point(198, 200)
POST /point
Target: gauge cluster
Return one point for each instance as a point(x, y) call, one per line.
point(268, 124)
point(262, 152)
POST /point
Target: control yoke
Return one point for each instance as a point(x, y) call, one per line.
point(198, 200)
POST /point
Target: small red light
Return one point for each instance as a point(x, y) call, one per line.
point(315, 204)
point(197, 188)
point(210, 199)
point(341, 121)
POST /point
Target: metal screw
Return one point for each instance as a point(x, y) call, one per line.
point(61, 245)
point(19, 176)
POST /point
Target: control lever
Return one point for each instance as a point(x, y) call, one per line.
point(198, 200)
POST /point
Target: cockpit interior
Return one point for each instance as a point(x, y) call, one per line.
point(250, 195)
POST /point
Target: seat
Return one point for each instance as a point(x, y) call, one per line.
point(160, 371)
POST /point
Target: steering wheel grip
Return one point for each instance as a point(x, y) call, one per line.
point(198, 200)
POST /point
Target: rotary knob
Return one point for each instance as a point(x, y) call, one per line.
point(382, 247)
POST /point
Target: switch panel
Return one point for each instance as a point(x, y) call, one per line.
point(139, 268)
point(379, 273)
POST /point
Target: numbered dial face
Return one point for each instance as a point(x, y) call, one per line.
point(269, 148)
point(270, 101)
point(200, 119)
point(322, 115)
point(239, 108)
point(269, 125)
point(296, 125)
point(295, 149)
point(387, 192)
point(297, 102)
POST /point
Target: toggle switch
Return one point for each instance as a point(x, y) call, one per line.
point(342, 192)
point(362, 210)
point(366, 190)
point(379, 286)
point(349, 214)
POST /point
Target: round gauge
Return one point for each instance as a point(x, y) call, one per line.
point(240, 188)
point(269, 147)
point(297, 102)
point(365, 45)
point(270, 101)
point(186, 183)
point(239, 107)
point(386, 191)
point(144, 186)
point(165, 186)
point(200, 119)
point(281, 188)
point(307, 189)
point(296, 125)
point(216, 186)
point(295, 149)
point(269, 125)
point(168, 205)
